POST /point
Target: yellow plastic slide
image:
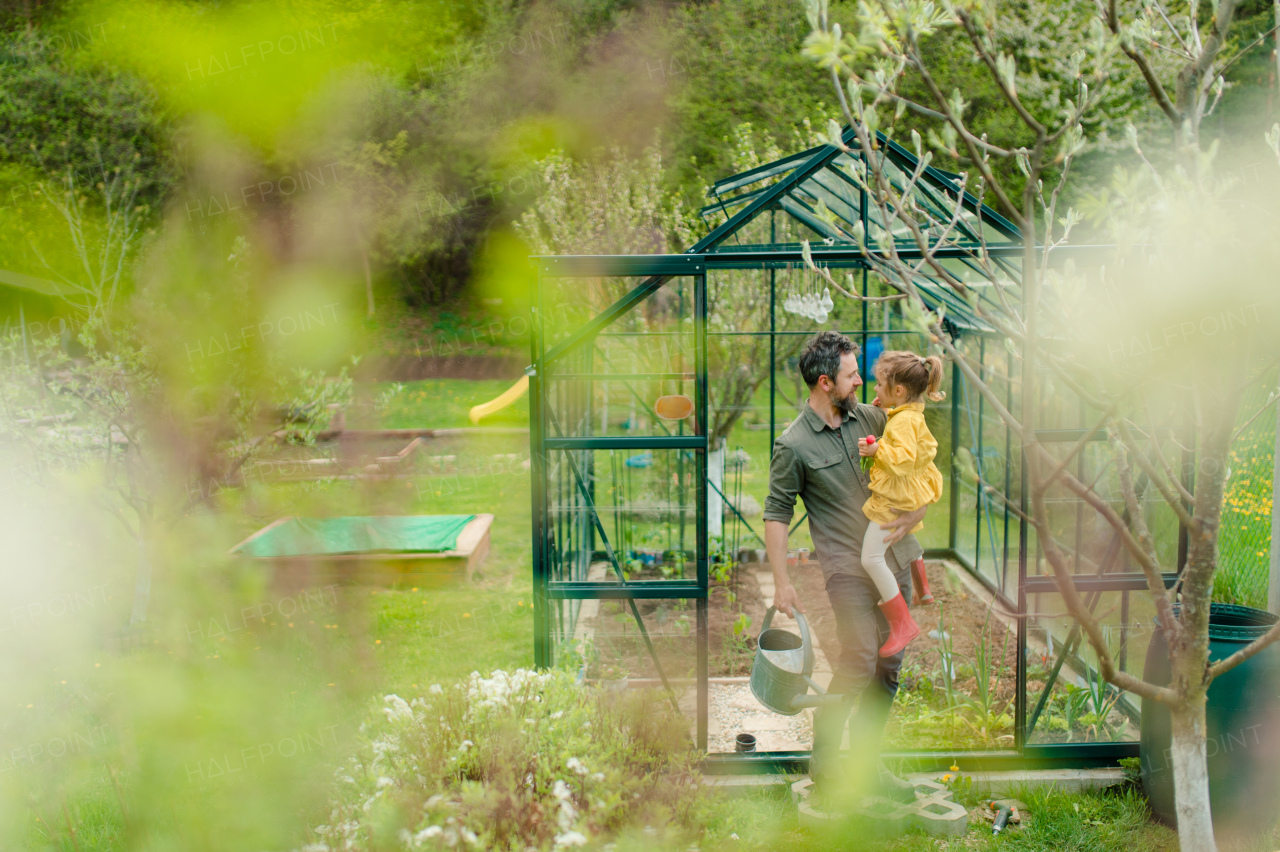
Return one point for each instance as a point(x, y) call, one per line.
point(509, 396)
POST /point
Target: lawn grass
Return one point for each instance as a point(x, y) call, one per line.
point(186, 699)
point(1088, 822)
point(445, 403)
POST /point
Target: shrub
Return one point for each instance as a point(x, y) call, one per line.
point(514, 761)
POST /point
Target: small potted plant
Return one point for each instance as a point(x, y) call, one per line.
point(612, 677)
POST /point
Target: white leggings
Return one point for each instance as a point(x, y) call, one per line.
point(875, 564)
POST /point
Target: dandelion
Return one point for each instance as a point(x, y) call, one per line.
point(946, 778)
point(955, 768)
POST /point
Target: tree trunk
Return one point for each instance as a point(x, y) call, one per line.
point(1191, 778)
point(1273, 585)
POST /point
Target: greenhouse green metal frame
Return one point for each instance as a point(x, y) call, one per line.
point(812, 188)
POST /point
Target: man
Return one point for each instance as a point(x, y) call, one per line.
point(817, 459)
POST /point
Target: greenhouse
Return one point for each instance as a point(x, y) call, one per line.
point(658, 385)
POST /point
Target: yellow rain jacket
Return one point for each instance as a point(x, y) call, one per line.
point(904, 477)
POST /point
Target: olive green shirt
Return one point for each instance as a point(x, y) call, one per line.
point(821, 466)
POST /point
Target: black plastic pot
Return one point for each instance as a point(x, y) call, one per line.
point(1242, 718)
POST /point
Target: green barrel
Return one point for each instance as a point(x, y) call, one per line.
point(1243, 726)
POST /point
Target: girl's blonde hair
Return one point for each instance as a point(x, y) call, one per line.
point(917, 374)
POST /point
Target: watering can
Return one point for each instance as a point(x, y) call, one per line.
point(780, 675)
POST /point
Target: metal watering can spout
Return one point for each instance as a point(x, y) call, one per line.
point(781, 674)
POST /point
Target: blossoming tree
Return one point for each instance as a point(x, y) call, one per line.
point(1139, 339)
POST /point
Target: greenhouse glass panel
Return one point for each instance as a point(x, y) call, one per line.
point(658, 388)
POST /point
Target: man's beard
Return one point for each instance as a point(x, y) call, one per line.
point(844, 404)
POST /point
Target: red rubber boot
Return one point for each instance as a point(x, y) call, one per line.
point(902, 627)
point(920, 594)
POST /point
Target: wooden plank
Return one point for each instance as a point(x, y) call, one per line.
point(382, 434)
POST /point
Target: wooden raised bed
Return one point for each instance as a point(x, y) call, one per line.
point(378, 567)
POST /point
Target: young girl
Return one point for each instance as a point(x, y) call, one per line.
point(903, 478)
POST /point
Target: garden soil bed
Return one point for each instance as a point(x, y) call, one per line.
point(920, 718)
point(965, 615)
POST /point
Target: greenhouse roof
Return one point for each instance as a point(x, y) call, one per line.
point(819, 194)
point(817, 191)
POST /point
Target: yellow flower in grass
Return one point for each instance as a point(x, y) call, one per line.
point(955, 768)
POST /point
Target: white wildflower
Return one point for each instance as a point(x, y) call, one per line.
point(397, 709)
point(465, 744)
point(599, 776)
point(576, 766)
point(384, 781)
point(556, 715)
point(570, 838)
point(436, 689)
point(568, 813)
point(427, 833)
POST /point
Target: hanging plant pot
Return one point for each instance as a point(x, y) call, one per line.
point(673, 407)
point(1242, 720)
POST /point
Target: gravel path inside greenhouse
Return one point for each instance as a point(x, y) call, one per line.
point(733, 710)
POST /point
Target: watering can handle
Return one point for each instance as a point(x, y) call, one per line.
point(806, 643)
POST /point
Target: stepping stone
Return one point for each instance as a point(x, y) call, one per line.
point(884, 817)
point(770, 741)
point(772, 722)
point(927, 789)
point(935, 814)
point(812, 818)
point(745, 700)
point(940, 817)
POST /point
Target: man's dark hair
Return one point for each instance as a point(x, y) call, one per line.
point(822, 354)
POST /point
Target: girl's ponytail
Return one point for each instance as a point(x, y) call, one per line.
point(933, 364)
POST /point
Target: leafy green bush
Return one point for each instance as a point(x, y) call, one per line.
point(514, 761)
point(56, 117)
